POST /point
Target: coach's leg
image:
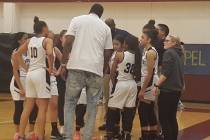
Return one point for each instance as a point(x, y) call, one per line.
point(74, 85)
point(94, 90)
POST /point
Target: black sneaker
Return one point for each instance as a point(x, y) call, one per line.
point(126, 136)
point(56, 135)
point(117, 136)
point(108, 137)
point(102, 127)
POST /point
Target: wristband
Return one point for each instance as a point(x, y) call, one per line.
point(63, 65)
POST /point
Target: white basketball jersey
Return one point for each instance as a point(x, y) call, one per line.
point(22, 71)
point(144, 71)
point(36, 53)
point(126, 67)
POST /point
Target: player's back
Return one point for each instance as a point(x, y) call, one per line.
point(125, 68)
point(36, 53)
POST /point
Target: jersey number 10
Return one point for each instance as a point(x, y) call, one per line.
point(33, 52)
point(129, 68)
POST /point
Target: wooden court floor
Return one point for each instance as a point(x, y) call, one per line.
point(194, 121)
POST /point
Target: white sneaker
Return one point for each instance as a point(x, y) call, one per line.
point(62, 130)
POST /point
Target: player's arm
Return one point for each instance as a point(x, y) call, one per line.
point(118, 59)
point(48, 45)
point(67, 46)
point(17, 56)
point(15, 66)
point(59, 56)
point(108, 50)
point(151, 57)
point(107, 56)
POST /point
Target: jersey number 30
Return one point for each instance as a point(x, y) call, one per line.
point(33, 52)
point(129, 68)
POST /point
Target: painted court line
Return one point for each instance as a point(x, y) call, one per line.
point(5, 122)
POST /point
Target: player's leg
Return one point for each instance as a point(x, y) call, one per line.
point(17, 114)
point(28, 107)
point(54, 116)
point(129, 110)
point(42, 104)
point(32, 118)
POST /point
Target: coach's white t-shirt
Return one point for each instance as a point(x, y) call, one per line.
point(92, 36)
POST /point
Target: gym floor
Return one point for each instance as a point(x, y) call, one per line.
point(194, 121)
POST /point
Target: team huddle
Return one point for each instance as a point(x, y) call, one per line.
point(94, 58)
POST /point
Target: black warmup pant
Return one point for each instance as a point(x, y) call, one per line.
point(19, 110)
point(167, 103)
point(61, 84)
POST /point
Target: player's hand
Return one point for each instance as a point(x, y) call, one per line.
point(55, 71)
point(50, 70)
point(22, 93)
point(63, 73)
point(141, 95)
point(155, 91)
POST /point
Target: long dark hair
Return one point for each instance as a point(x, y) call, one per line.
point(119, 38)
point(17, 37)
point(153, 35)
point(133, 45)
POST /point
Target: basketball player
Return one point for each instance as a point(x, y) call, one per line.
point(61, 83)
point(55, 134)
point(149, 69)
point(125, 89)
point(37, 80)
point(17, 86)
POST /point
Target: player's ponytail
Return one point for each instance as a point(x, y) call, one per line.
point(150, 25)
point(38, 25)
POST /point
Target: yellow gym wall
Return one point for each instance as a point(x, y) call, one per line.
point(1, 17)
point(189, 20)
